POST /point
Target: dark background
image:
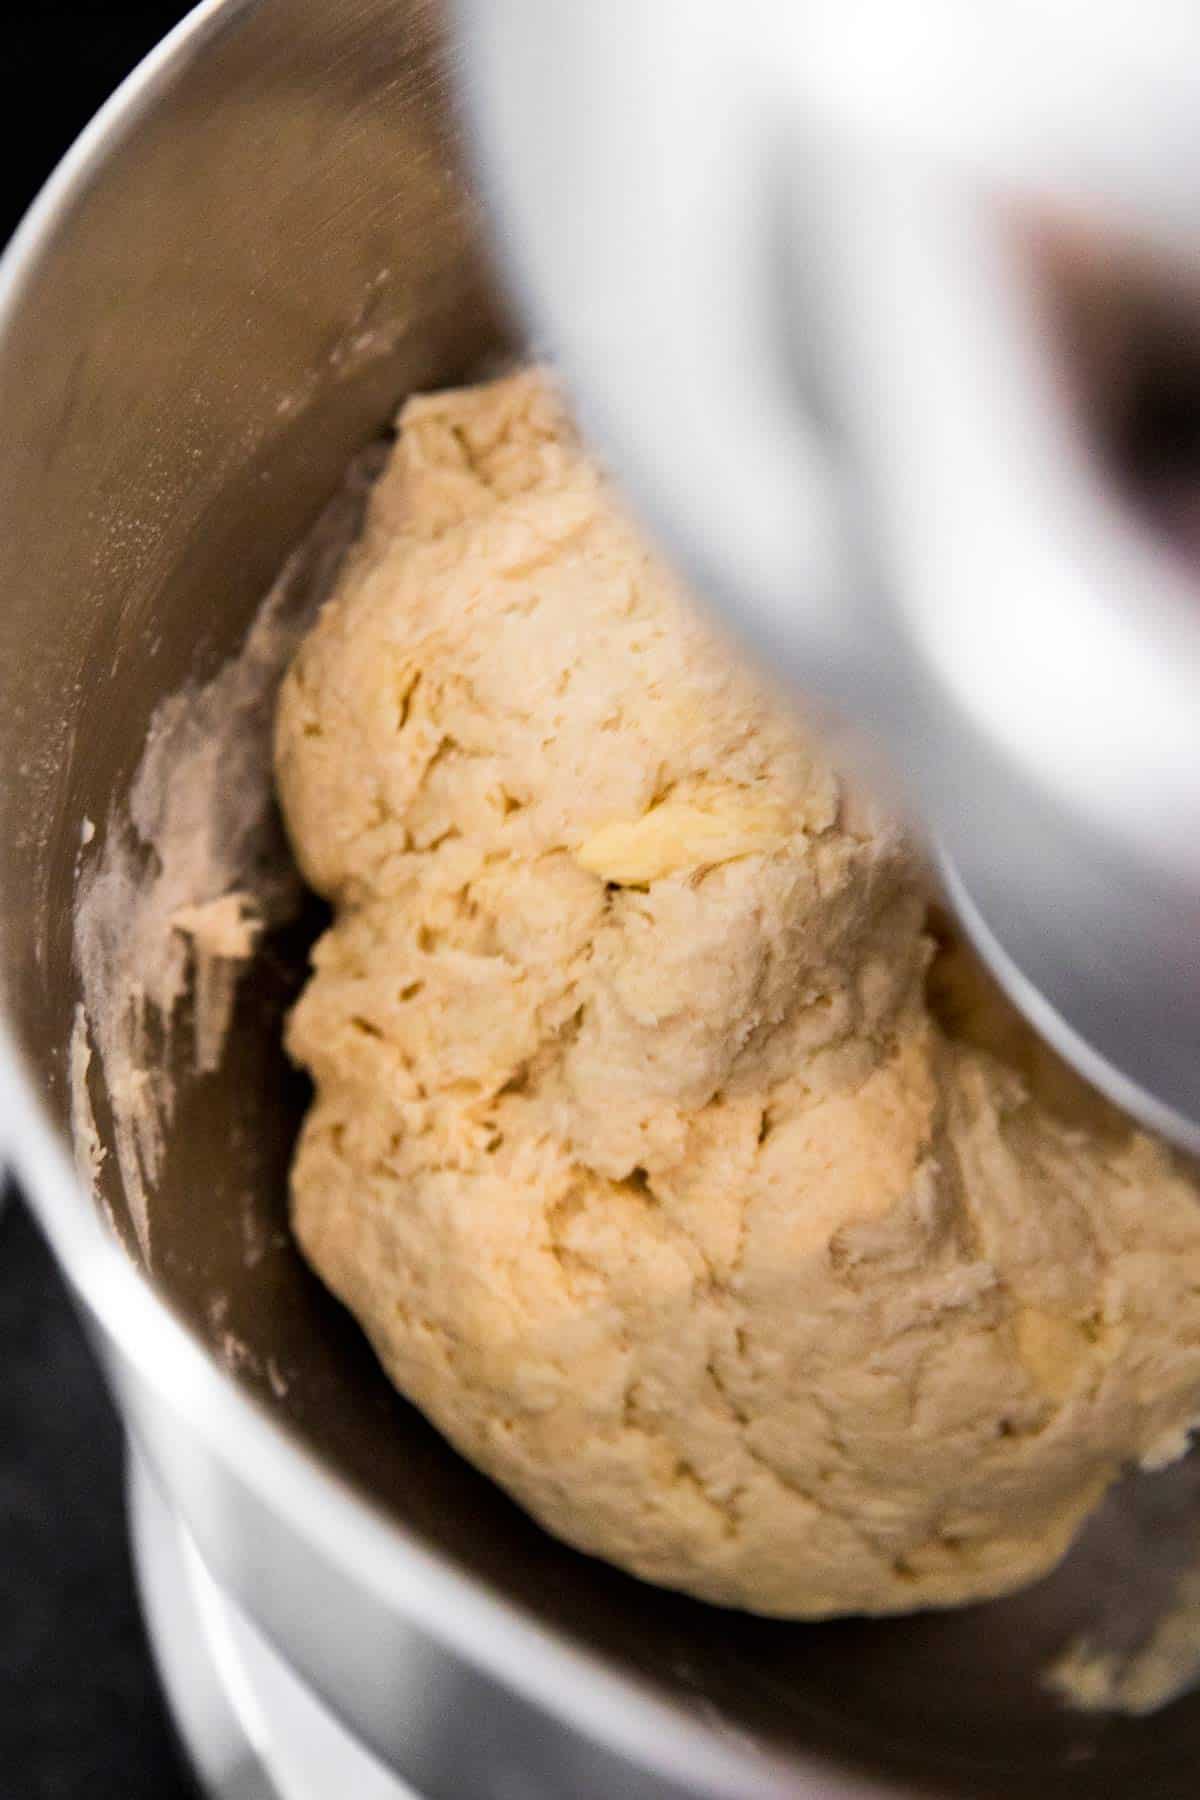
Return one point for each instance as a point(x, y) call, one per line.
point(80, 1709)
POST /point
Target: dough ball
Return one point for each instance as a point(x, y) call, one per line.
point(637, 1148)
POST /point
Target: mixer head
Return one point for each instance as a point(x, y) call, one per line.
point(817, 274)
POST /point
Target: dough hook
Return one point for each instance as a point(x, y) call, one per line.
point(788, 257)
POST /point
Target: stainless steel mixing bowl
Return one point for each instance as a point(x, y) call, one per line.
point(257, 248)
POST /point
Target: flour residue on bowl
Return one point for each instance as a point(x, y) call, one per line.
point(89, 1148)
point(192, 870)
point(1092, 1679)
point(222, 933)
point(1136, 1645)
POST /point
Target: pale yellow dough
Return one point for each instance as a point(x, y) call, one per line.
point(636, 1148)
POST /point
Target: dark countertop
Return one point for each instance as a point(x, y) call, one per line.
point(80, 1709)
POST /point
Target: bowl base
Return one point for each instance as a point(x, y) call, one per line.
point(251, 1729)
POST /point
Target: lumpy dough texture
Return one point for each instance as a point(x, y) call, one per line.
point(663, 1175)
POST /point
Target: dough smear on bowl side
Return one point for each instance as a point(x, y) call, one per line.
point(638, 1147)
